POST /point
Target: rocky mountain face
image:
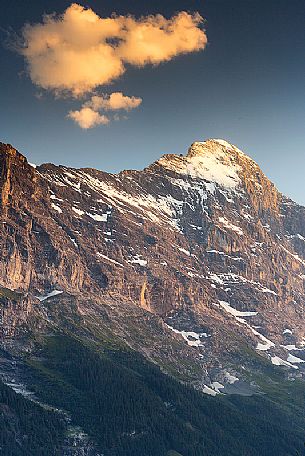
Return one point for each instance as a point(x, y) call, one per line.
point(193, 261)
point(206, 234)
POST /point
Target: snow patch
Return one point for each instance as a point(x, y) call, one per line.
point(266, 346)
point(277, 361)
point(77, 211)
point(216, 386)
point(73, 241)
point(154, 208)
point(138, 260)
point(231, 379)
point(49, 295)
point(98, 217)
point(53, 197)
point(292, 347)
point(56, 208)
point(294, 359)
point(230, 225)
point(237, 313)
point(235, 279)
point(209, 391)
point(186, 252)
point(109, 259)
point(192, 338)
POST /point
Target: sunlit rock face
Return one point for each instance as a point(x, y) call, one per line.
point(203, 241)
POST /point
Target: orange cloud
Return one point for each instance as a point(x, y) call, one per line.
point(154, 39)
point(113, 102)
point(78, 51)
point(88, 118)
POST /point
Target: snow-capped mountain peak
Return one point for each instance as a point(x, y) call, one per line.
point(204, 238)
point(213, 160)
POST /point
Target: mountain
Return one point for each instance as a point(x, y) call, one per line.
point(175, 283)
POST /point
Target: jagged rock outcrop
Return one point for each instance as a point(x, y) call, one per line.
point(205, 241)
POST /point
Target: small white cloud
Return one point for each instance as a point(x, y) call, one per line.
point(88, 118)
point(113, 102)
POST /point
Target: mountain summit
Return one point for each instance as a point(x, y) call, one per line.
point(210, 160)
point(197, 262)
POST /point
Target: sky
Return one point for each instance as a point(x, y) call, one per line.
point(114, 101)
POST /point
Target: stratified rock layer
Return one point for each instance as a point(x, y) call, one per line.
point(204, 241)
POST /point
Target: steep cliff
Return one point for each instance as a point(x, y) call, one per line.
point(193, 267)
point(204, 242)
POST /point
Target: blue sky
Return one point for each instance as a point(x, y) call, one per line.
point(247, 86)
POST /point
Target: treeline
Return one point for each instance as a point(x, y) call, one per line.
point(130, 408)
point(26, 429)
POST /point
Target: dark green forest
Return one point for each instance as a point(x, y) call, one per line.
point(26, 429)
point(130, 408)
